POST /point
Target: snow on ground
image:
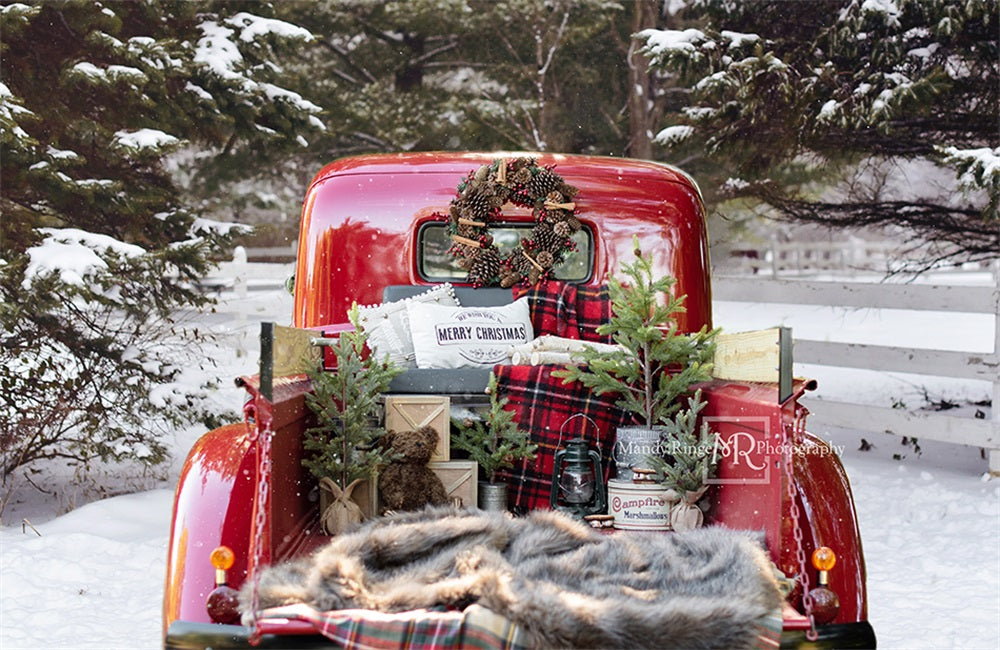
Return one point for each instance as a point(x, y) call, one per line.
point(930, 522)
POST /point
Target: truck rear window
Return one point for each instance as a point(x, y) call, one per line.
point(435, 264)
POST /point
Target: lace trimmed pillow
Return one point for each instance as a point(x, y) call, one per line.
point(388, 325)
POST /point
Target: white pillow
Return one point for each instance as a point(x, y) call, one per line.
point(388, 325)
point(461, 337)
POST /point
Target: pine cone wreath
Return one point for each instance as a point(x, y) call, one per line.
point(518, 262)
point(555, 197)
point(477, 206)
point(497, 199)
point(522, 177)
point(479, 200)
point(508, 276)
point(544, 182)
point(562, 228)
point(522, 163)
point(485, 267)
point(546, 238)
point(573, 223)
point(568, 191)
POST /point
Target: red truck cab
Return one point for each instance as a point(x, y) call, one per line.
point(374, 222)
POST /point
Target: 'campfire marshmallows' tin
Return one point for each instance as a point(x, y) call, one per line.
point(640, 506)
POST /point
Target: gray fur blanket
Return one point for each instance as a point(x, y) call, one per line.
point(565, 584)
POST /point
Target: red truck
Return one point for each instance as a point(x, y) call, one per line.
point(373, 229)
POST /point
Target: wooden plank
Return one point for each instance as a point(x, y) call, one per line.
point(293, 351)
point(284, 352)
point(928, 297)
point(943, 363)
point(271, 252)
point(929, 426)
point(785, 365)
point(266, 363)
point(748, 356)
point(759, 356)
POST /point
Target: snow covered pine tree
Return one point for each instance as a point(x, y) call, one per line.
point(97, 246)
point(808, 107)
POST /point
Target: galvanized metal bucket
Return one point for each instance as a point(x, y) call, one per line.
point(632, 446)
point(492, 496)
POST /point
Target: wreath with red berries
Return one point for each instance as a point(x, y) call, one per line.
point(477, 207)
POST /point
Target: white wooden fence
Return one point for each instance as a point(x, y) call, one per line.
point(795, 258)
point(983, 433)
point(790, 258)
point(241, 274)
point(273, 253)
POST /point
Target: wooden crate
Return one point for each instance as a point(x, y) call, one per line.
point(460, 478)
point(410, 412)
point(366, 496)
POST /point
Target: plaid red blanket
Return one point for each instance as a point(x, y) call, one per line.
point(593, 309)
point(545, 407)
point(553, 308)
point(567, 310)
point(476, 628)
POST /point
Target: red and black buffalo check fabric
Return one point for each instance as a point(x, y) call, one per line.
point(553, 308)
point(544, 407)
point(593, 309)
point(568, 310)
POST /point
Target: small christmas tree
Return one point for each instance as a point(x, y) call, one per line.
point(691, 451)
point(495, 442)
point(656, 364)
point(343, 442)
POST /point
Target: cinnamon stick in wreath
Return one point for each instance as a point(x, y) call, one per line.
point(533, 262)
point(465, 240)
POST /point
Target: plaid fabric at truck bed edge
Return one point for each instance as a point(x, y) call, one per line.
point(475, 628)
point(553, 308)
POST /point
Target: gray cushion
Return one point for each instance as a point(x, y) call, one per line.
point(438, 381)
point(467, 296)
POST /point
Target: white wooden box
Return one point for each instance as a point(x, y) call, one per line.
point(461, 480)
point(411, 412)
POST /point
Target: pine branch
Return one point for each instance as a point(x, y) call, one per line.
point(657, 363)
point(689, 450)
point(343, 444)
point(496, 442)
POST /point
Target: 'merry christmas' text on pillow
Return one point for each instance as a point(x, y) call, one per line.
point(457, 337)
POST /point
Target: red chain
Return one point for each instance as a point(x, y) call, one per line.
point(262, 438)
point(798, 433)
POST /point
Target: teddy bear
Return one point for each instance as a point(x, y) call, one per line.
point(407, 483)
